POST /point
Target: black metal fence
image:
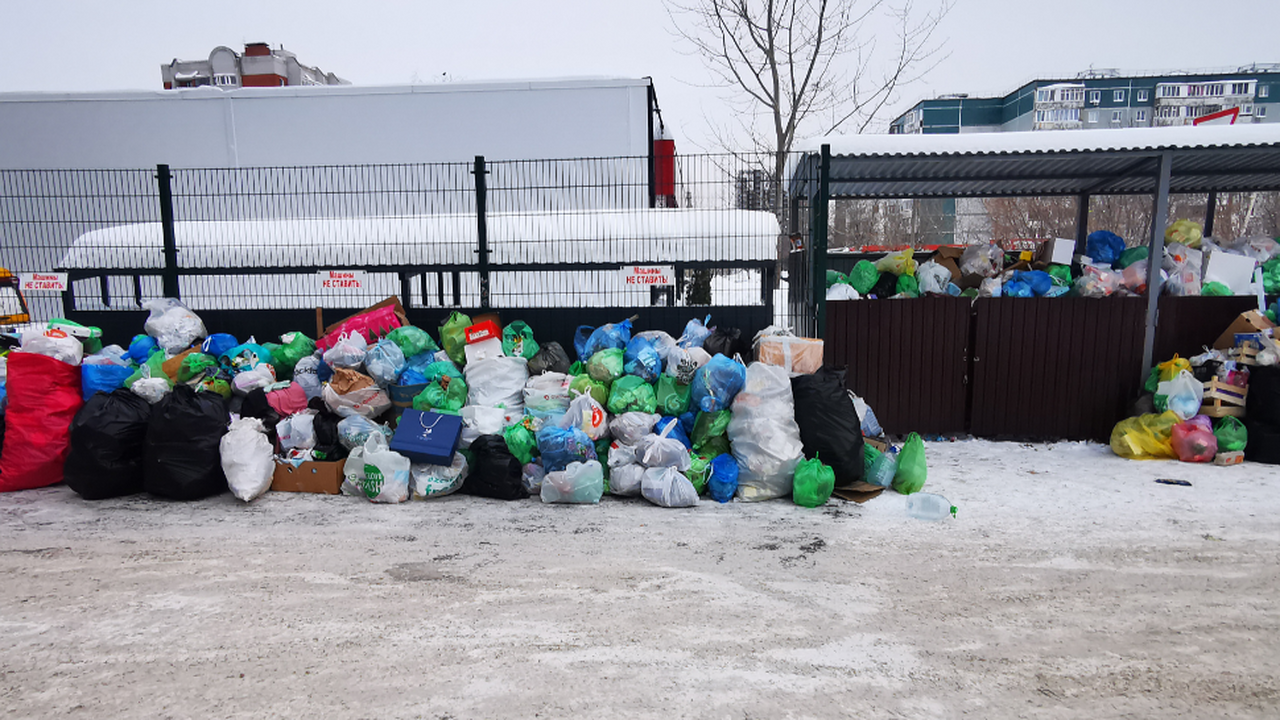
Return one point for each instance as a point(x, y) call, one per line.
point(261, 248)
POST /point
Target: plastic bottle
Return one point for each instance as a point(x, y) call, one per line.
point(929, 506)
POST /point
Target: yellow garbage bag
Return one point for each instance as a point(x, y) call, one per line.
point(1187, 232)
point(899, 263)
point(1169, 369)
point(1145, 437)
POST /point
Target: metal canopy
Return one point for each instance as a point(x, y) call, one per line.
point(1096, 162)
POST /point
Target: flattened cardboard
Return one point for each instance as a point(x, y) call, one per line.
point(309, 477)
point(948, 256)
point(858, 492)
point(1250, 321)
point(1056, 251)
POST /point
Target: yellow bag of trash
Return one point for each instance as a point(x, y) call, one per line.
point(1169, 369)
point(1187, 232)
point(899, 263)
point(1145, 437)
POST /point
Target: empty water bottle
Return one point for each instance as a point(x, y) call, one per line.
point(929, 506)
point(883, 469)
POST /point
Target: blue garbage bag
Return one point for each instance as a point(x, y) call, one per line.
point(723, 483)
point(245, 356)
point(1104, 247)
point(103, 378)
point(1018, 288)
point(688, 420)
point(695, 333)
point(642, 360)
point(323, 372)
point(560, 446)
point(412, 376)
point(607, 337)
point(1040, 281)
point(384, 362)
point(580, 338)
point(218, 343)
point(140, 348)
point(677, 432)
point(716, 384)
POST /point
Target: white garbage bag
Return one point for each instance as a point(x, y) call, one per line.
point(348, 352)
point(172, 324)
point(369, 401)
point(666, 487)
point(655, 451)
point(353, 430)
point(581, 483)
point(933, 277)
point(55, 343)
point(587, 415)
point(438, 480)
point(376, 472)
point(547, 395)
point(621, 454)
point(842, 291)
point(764, 435)
point(305, 373)
point(629, 427)
point(247, 460)
point(498, 382)
point(252, 379)
point(297, 431)
point(151, 389)
point(625, 480)
point(477, 421)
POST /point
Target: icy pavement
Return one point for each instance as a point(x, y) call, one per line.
point(1070, 585)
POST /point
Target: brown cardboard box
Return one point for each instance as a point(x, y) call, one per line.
point(948, 256)
point(309, 477)
point(794, 354)
point(1248, 322)
point(858, 492)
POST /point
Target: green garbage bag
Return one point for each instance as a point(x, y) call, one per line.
point(1133, 255)
point(577, 368)
point(412, 340)
point(912, 470)
point(869, 457)
point(606, 365)
point(1153, 380)
point(710, 425)
point(517, 340)
point(1061, 275)
point(716, 446)
point(441, 369)
point(631, 394)
point(453, 333)
point(196, 366)
point(602, 452)
point(673, 396)
point(294, 346)
point(521, 442)
point(153, 367)
point(864, 276)
point(1231, 434)
point(445, 395)
point(1215, 289)
point(835, 276)
point(699, 472)
point(908, 285)
point(584, 385)
point(813, 483)
point(1271, 276)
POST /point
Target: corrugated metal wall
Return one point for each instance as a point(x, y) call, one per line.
point(908, 358)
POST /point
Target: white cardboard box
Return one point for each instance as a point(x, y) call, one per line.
point(1234, 271)
point(1058, 251)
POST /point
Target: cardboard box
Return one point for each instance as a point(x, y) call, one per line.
point(795, 354)
point(483, 350)
point(1057, 251)
point(1227, 459)
point(948, 256)
point(1248, 322)
point(482, 331)
point(309, 477)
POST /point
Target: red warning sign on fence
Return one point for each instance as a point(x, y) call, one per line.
point(337, 280)
point(656, 275)
point(44, 282)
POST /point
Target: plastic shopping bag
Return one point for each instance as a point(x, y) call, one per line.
point(246, 456)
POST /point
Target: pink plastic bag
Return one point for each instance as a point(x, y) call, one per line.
point(1193, 443)
point(372, 324)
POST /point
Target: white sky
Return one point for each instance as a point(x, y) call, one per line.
point(993, 45)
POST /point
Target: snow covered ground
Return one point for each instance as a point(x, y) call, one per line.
point(1070, 585)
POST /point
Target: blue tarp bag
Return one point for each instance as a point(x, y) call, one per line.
point(1018, 289)
point(580, 338)
point(607, 337)
point(723, 484)
point(140, 348)
point(103, 378)
point(1039, 281)
point(1104, 247)
point(717, 383)
point(218, 343)
point(696, 332)
point(560, 446)
point(411, 376)
point(677, 432)
point(642, 360)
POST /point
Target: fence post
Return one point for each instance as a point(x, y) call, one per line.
point(170, 273)
point(482, 230)
point(818, 283)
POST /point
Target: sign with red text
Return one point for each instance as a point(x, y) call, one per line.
point(653, 275)
point(342, 280)
point(44, 282)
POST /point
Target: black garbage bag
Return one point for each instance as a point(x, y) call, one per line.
point(549, 358)
point(885, 287)
point(181, 460)
point(108, 435)
point(1264, 439)
point(327, 445)
point(829, 426)
point(727, 342)
point(495, 472)
point(255, 405)
point(1263, 403)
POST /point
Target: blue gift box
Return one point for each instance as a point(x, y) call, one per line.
point(427, 437)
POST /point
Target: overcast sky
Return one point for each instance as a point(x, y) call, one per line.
point(993, 45)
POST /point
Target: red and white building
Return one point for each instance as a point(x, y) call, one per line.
point(258, 66)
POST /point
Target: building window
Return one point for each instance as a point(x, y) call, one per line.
point(1118, 96)
point(1095, 97)
point(1240, 88)
point(1073, 95)
point(1140, 116)
point(1260, 111)
point(1044, 96)
point(1142, 96)
point(1264, 91)
point(1092, 116)
point(1167, 112)
point(1117, 116)
point(225, 80)
point(1169, 91)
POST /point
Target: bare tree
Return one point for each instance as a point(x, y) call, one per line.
point(801, 67)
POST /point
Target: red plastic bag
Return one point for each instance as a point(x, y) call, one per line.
point(44, 395)
point(1193, 443)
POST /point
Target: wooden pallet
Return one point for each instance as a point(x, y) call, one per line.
point(1223, 399)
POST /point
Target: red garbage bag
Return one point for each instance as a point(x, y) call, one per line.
point(1193, 443)
point(44, 395)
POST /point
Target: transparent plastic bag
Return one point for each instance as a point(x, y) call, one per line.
point(347, 352)
point(628, 428)
point(608, 336)
point(764, 435)
point(1185, 394)
point(982, 260)
point(297, 431)
point(581, 483)
point(247, 458)
point(254, 378)
point(899, 263)
point(990, 288)
point(625, 480)
point(1097, 282)
point(716, 384)
point(667, 487)
point(384, 362)
point(172, 324)
point(695, 333)
point(429, 481)
point(654, 451)
point(933, 277)
point(587, 415)
point(354, 430)
point(53, 343)
point(531, 477)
